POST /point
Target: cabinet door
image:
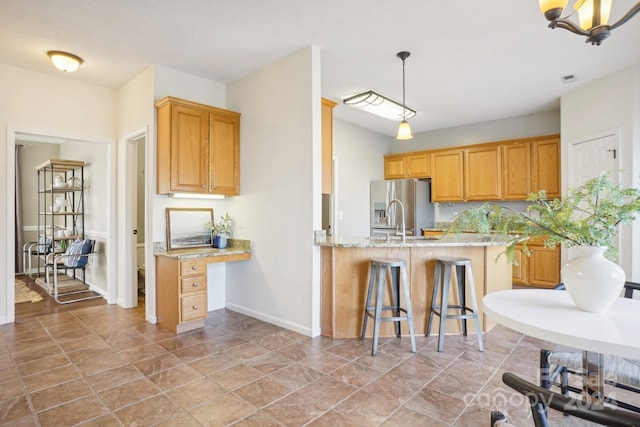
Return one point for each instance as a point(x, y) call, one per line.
point(418, 165)
point(516, 157)
point(394, 167)
point(224, 155)
point(189, 149)
point(483, 173)
point(544, 266)
point(327, 146)
point(519, 272)
point(546, 166)
point(447, 183)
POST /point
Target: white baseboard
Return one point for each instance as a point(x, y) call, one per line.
point(273, 320)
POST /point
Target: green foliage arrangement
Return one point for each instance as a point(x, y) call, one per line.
point(586, 215)
point(223, 227)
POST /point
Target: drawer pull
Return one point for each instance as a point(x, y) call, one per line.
point(194, 267)
point(195, 285)
point(195, 307)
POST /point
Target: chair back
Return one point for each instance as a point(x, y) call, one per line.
point(541, 398)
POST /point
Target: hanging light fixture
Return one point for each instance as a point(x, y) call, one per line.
point(593, 17)
point(404, 130)
point(65, 61)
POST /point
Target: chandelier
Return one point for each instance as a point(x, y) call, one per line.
point(593, 17)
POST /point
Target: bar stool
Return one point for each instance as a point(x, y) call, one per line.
point(377, 278)
point(442, 281)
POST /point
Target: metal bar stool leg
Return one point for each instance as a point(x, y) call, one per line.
point(395, 297)
point(367, 304)
point(407, 298)
point(434, 296)
point(379, 293)
point(474, 306)
point(460, 278)
point(444, 305)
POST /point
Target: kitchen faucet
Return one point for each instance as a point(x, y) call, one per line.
point(403, 232)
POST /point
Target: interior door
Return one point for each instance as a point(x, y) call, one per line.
point(589, 159)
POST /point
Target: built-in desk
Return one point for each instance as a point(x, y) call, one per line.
point(181, 283)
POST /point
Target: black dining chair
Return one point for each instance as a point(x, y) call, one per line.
point(556, 366)
point(540, 399)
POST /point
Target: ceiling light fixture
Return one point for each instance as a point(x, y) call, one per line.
point(380, 105)
point(64, 61)
point(593, 17)
point(404, 130)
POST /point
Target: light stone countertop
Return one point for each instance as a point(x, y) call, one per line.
point(235, 247)
point(462, 239)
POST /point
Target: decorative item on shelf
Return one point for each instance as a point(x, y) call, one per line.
point(59, 182)
point(587, 217)
point(221, 231)
point(74, 182)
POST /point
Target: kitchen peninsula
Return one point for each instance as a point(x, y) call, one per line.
point(345, 273)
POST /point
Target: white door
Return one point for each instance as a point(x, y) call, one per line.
point(592, 157)
point(589, 159)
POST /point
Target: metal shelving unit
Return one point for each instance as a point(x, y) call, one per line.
point(61, 216)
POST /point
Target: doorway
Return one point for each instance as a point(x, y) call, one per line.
point(35, 149)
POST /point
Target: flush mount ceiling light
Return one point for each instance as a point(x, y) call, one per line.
point(593, 17)
point(64, 61)
point(404, 130)
point(380, 105)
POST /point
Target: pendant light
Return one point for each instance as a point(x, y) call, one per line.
point(404, 130)
point(593, 17)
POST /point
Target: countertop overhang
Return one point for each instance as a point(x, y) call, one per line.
point(461, 239)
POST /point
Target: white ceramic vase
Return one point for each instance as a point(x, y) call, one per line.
point(593, 282)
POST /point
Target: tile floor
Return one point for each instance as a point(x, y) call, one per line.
point(105, 366)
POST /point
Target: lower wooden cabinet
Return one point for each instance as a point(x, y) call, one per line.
point(181, 289)
point(540, 269)
point(181, 293)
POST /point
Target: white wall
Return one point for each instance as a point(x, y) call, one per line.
point(280, 189)
point(39, 103)
point(359, 160)
point(611, 104)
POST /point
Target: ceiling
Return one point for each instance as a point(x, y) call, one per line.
point(471, 61)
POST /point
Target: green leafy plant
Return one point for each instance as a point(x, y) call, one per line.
point(223, 227)
point(586, 215)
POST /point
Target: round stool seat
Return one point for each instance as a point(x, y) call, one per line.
point(388, 262)
point(453, 260)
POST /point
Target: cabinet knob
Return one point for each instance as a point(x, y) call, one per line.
point(195, 307)
point(195, 285)
point(203, 186)
point(194, 267)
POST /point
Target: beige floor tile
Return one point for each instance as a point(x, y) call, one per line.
point(368, 408)
point(236, 376)
point(148, 412)
point(175, 377)
point(222, 410)
point(73, 412)
point(196, 393)
point(50, 378)
point(262, 392)
point(59, 394)
point(127, 394)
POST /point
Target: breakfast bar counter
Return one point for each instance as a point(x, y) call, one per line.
point(345, 276)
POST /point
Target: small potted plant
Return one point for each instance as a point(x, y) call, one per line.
point(221, 231)
point(587, 217)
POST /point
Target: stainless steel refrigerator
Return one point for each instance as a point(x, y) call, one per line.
point(415, 196)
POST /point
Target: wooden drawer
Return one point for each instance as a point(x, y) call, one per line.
point(193, 284)
point(193, 307)
point(193, 267)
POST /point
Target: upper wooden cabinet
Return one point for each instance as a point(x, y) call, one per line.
point(407, 165)
point(327, 146)
point(546, 165)
point(483, 173)
point(447, 176)
point(531, 165)
point(198, 148)
point(503, 170)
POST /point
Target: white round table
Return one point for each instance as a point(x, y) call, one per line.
point(552, 316)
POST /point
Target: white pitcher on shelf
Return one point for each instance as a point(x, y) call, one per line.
point(58, 182)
